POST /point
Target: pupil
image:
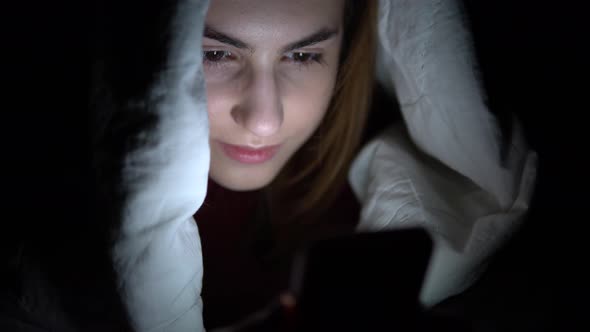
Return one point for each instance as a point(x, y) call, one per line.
point(301, 56)
point(214, 55)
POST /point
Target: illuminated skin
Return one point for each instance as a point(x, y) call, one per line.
point(270, 68)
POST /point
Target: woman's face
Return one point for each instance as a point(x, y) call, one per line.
point(270, 68)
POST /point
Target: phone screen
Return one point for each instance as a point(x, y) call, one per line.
point(363, 281)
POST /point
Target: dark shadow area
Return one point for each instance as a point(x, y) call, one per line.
point(531, 59)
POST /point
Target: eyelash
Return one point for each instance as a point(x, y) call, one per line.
point(311, 58)
point(219, 62)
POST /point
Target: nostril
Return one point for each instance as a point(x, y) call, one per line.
point(236, 116)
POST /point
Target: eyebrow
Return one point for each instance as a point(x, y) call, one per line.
point(223, 38)
point(319, 36)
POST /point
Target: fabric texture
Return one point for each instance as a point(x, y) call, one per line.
point(441, 170)
point(152, 157)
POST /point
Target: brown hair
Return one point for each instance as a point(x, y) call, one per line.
point(316, 173)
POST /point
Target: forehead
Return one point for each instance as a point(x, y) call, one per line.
point(266, 20)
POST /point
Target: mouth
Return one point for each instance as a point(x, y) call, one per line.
point(250, 155)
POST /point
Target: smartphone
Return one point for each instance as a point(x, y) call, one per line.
point(361, 282)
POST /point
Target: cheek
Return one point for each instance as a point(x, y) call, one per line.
point(219, 94)
point(219, 100)
point(215, 103)
point(307, 103)
point(223, 86)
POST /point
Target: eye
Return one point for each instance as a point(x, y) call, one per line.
point(216, 56)
point(304, 58)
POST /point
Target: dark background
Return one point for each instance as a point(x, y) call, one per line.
point(531, 56)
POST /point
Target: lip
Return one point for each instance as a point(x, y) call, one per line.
point(249, 155)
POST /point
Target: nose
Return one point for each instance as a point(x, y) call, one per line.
point(261, 111)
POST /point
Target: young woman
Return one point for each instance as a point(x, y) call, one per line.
point(261, 105)
point(288, 90)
